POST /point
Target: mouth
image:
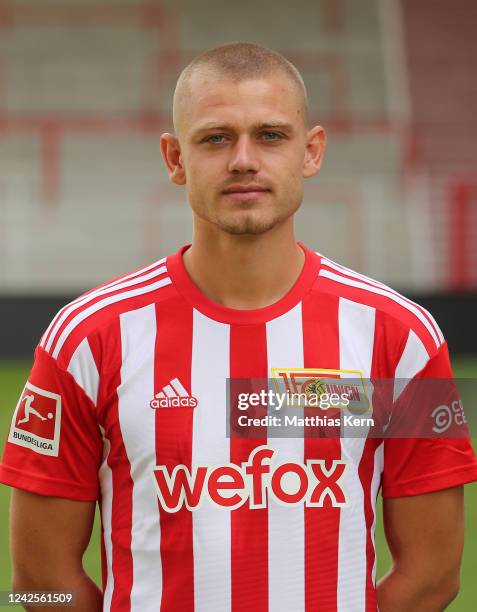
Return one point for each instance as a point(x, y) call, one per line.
point(245, 192)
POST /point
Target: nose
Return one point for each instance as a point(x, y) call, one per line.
point(244, 156)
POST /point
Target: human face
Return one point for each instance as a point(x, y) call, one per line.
point(242, 150)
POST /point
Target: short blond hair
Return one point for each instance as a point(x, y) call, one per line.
point(240, 61)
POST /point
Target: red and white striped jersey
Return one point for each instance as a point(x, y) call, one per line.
point(126, 404)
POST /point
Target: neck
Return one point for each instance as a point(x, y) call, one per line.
point(244, 272)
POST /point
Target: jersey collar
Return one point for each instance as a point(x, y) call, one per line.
point(185, 286)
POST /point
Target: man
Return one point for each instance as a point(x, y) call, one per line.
point(135, 373)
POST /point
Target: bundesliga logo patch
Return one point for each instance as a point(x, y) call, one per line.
point(37, 420)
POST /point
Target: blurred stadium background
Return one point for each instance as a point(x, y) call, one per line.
point(85, 91)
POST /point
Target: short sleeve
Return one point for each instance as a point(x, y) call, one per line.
point(54, 444)
point(420, 465)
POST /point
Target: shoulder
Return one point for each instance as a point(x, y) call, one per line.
point(395, 314)
point(99, 308)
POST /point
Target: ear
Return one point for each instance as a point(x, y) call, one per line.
point(315, 149)
point(171, 154)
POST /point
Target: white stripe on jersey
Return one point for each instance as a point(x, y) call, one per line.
point(76, 304)
point(356, 341)
point(210, 446)
point(413, 359)
point(105, 477)
point(375, 484)
point(386, 293)
point(286, 525)
point(338, 267)
point(84, 314)
point(137, 424)
point(83, 368)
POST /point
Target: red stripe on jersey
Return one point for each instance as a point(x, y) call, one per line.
point(389, 342)
point(248, 359)
point(121, 512)
point(321, 350)
point(173, 355)
point(365, 471)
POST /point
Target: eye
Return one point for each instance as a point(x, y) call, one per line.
point(270, 136)
point(215, 139)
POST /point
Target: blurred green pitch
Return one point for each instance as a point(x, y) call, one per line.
point(12, 378)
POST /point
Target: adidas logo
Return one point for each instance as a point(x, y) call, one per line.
point(173, 395)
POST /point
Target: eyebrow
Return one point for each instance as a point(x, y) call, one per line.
point(282, 125)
